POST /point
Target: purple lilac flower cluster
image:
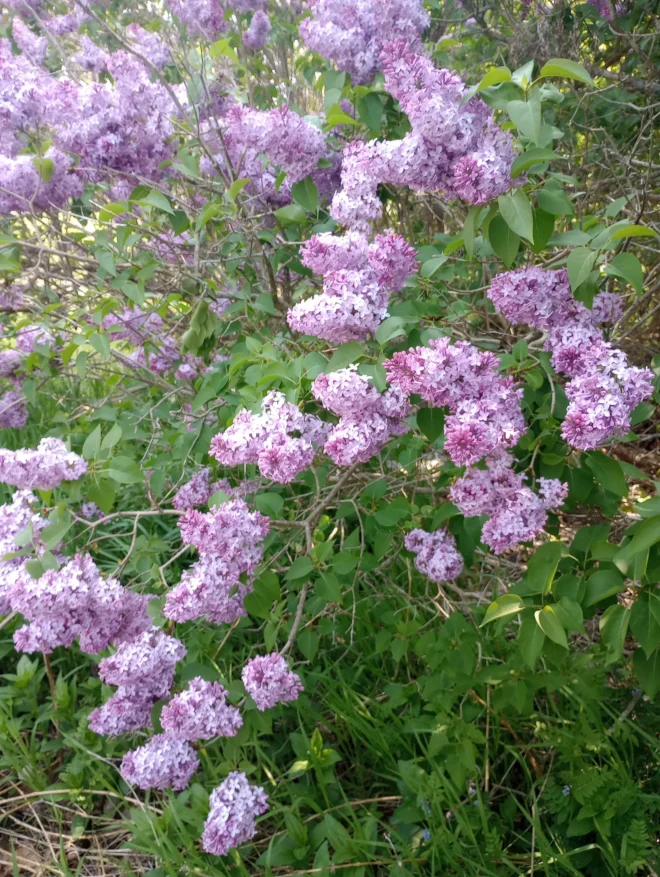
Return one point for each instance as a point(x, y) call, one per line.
point(358, 278)
point(229, 543)
point(454, 146)
point(15, 517)
point(234, 806)
point(200, 713)
point(199, 490)
point(352, 33)
point(269, 681)
point(203, 18)
point(484, 405)
point(290, 143)
point(13, 410)
point(485, 419)
point(258, 33)
point(603, 389)
point(280, 440)
point(367, 418)
point(516, 513)
point(44, 468)
point(437, 555)
point(75, 602)
point(143, 669)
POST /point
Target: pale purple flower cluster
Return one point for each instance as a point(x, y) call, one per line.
point(10, 361)
point(143, 669)
point(258, 33)
point(195, 492)
point(44, 468)
point(229, 543)
point(76, 602)
point(15, 517)
point(367, 418)
point(13, 410)
point(358, 279)
point(235, 804)
point(200, 713)
point(269, 681)
point(149, 44)
point(280, 440)
point(604, 389)
point(484, 405)
point(516, 513)
point(352, 33)
point(290, 143)
point(437, 555)
point(203, 18)
point(29, 337)
point(35, 47)
point(162, 762)
point(135, 326)
point(454, 146)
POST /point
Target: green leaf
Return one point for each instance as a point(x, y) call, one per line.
point(647, 670)
point(547, 620)
point(468, 230)
point(390, 328)
point(306, 194)
point(517, 213)
point(266, 592)
point(237, 187)
point(493, 77)
point(113, 436)
point(607, 471)
point(530, 641)
point(299, 569)
point(431, 422)
point(644, 625)
point(507, 604)
point(336, 116)
point(529, 158)
point(370, 110)
point(270, 504)
point(308, 643)
point(290, 214)
point(123, 470)
point(579, 263)
point(504, 242)
point(103, 494)
point(53, 534)
point(646, 535)
point(328, 588)
point(543, 565)
point(526, 116)
point(158, 200)
point(566, 68)
point(602, 584)
point(555, 201)
point(344, 355)
point(628, 267)
point(429, 267)
point(613, 629)
point(634, 231)
point(45, 168)
point(92, 445)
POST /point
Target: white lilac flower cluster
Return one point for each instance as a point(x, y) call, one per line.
point(280, 440)
point(229, 540)
point(603, 388)
point(484, 421)
point(358, 279)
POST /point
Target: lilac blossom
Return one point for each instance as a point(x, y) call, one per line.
point(146, 664)
point(15, 517)
point(268, 439)
point(35, 47)
point(13, 410)
point(352, 34)
point(516, 513)
point(127, 710)
point(484, 405)
point(367, 418)
point(437, 555)
point(195, 492)
point(133, 325)
point(29, 337)
point(229, 542)
point(235, 804)
point(202, 18)
point(44, 468)
point(149, 44)
point(269, 681)
point(200, 713)
point(10, 361)
point(258, 33)
point(603, 390)
point(162, 762)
